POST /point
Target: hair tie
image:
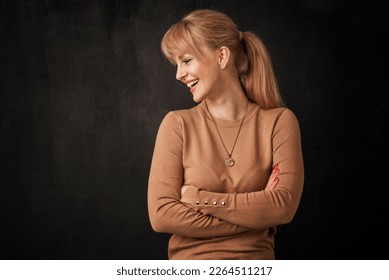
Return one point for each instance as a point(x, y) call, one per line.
point(240, 36)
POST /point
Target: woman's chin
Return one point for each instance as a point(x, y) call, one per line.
point(197, 99)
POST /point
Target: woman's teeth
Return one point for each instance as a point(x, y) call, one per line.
point(192, 83)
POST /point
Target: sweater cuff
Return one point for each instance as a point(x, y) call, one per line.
point(206, 202)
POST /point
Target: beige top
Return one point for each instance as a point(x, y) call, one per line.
point(226, 214)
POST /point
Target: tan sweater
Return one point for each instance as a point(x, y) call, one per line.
point(226, 213)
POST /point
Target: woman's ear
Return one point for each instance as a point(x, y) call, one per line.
point(224, 56)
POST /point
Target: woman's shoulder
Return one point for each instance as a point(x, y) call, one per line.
point(279, 112)
point(281, 116)
point(176, 119)
point(184, 114)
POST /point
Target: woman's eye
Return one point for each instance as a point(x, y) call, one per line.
point(186, 61)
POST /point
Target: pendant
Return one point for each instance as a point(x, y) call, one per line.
point(229, 162)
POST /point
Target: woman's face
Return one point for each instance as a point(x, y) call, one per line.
point(200, 73)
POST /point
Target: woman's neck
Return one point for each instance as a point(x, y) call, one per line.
point(231, 105)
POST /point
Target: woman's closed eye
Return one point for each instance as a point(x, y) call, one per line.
point(185, 62)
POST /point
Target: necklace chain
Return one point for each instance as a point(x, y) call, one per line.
point(229, 162)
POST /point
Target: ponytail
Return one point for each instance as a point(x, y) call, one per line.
point(259, 81)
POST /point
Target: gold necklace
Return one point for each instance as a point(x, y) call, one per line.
point(229, 161)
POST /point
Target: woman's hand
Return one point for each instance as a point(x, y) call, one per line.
point(273, 179)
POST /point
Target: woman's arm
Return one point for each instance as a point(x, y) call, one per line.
point(269, 207)
point(166, 212)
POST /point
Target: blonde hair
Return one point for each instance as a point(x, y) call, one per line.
point(214, 29)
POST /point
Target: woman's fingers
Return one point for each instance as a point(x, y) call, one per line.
point(273, 179)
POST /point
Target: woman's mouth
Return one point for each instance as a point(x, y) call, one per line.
point(192, 83)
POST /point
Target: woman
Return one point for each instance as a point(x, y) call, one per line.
point(226, 172)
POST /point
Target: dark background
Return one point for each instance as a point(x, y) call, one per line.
point(84, 87)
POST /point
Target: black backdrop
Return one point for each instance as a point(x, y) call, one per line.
point(84, 88)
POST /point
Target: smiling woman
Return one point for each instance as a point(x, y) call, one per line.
point(198, 73)
point(228, 171)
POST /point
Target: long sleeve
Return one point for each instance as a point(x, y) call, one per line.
point(261, 209)
point(166, 212)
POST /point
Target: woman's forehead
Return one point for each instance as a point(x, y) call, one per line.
point(199, 52)
point(179, 53)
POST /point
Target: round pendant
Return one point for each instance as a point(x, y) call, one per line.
point(229, 162)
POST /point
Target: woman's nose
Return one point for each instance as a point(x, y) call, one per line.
point(180, 74)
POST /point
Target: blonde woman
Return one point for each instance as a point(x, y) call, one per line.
point(228, 171)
